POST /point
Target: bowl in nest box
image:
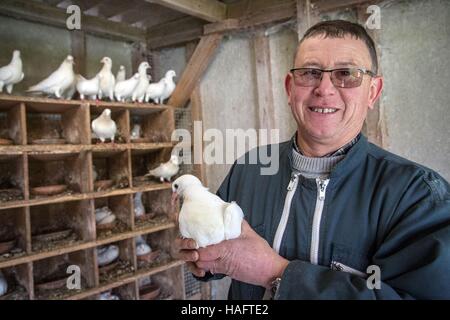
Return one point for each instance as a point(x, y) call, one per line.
point(103, 184)
point(140, 140)
point(6, 142)
point(52, 236)
point(49, 141)
point(149, 292)
point(149, 257)
point(52, 284)
point(110, 266)
point(7, 246)
point(146, 217)
point(106, 226)
point(49, 190)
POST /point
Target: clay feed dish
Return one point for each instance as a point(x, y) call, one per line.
point(53, 236)
point(6, 142)
point(49, 141)
point(149, 257)
point(140, 140)
point(103, 184)
point(49, 190)
point(146, 217)
point(52, 284)
point(108, 267)
point(106, 226)
point(149, 292)
point(7, 246)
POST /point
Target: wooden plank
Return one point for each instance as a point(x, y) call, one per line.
point(209, 10)
point(41, 13)
point(277, 12)
point(195, 69)
point(326, 5)
point(264, 88)
point(177, 32)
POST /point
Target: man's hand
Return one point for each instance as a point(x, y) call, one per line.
point(248, 258)
point(184, 249)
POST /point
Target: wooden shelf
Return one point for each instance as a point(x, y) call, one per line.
point(24, 166)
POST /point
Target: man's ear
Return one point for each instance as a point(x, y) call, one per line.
point(376, 86)
point(288, 86)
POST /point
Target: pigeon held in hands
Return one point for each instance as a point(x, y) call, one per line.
point(205, 217)
point(104, 127)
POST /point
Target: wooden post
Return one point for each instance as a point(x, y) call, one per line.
point(78, 44)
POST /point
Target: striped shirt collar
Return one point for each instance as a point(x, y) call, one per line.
point(339, 152)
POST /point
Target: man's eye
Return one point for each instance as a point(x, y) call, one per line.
point(343, 73)
point(310, 73)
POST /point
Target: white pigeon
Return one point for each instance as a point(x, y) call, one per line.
point(108, 296)
point(88, 87)
point(70, 91)
point(3, 284)
point(121, 74)
point(205, 217)
point(136, 131)
point(139, 208)
point(124, 89)
point(141, 246)
point(107, 80)
point(141, 88)
point(104, 215)
point(11, 74)
point(165, 171)
point(58, 81)
point(155, 91)
point(107, 254)
point(104, 127)
point(170, 85)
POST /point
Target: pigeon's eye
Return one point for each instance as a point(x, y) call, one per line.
point(175, 186)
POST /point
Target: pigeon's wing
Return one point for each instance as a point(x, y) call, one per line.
point(232, 219)
point(6, 74)
point(51, 81)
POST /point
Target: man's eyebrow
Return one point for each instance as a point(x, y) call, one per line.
point(346, 63)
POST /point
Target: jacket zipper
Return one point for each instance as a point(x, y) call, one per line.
point(321, 189)
point(292, 186)
point(337, 266)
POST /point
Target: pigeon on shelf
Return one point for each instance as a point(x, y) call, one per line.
point(70, 91)
point(155, 91)
point(107, 296)
point(144, 281)
point(58, 82)
point(88, 87)
point(170, 85)
point(104, 215)
point(141, 246)
point(3, 284)
point(205, 217)
point(124, 89)
point(141, 88)
point(104, 127)
point(11, 74)
point(107, 254)
point(121, 74)
point(107, 80)
point(136, 131)
point(139, 208)
point(165, 171)
point(94, 173)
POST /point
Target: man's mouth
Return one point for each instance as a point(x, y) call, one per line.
point(322, 110)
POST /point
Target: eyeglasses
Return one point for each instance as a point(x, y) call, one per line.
point(342, 77)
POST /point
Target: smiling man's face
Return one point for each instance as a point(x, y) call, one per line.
point(327, 116)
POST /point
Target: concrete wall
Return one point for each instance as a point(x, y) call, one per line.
point(415, 48)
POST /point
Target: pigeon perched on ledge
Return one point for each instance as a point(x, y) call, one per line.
point(11, 74)
point(165, 171)
point(205, 217)
point(104, 127)
point(107, 80)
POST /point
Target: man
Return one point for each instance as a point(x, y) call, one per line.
point(339, 206)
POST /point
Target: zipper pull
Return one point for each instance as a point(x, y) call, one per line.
point(294, 177)
point(336, 266)
point(322, 185)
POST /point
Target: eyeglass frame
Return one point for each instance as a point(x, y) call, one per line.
point(363, 70)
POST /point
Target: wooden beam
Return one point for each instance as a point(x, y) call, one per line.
point(209, 10)
point(41, 13)
point(78, 44)
point(195, 69)
point(264, 87)
point(326, 5)
point(268, 15)
point(173, 33)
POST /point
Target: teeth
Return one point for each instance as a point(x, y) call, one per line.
point(324, 110)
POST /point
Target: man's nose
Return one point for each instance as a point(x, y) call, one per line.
point(325, 86)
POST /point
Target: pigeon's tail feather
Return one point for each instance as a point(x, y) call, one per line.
point(232, 220)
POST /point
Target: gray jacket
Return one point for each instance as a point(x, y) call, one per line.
point(376, 209)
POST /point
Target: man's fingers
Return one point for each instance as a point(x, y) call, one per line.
point(195, 270)
point(211, 266)
point(187, 255)
point(183, 244)
point(211, 252)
